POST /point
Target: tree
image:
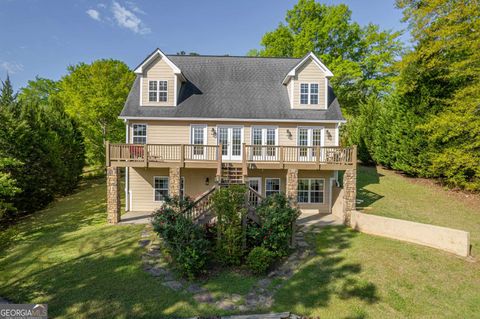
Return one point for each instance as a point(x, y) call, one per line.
point(440, 80)
point(40, 91)
point(94, 94)
point(7, 96)
point(360, 57)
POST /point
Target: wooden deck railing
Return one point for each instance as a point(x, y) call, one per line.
point(209, 156)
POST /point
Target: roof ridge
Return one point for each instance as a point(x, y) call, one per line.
point(231, 56)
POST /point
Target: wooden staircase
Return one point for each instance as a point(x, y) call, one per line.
point(231, 174)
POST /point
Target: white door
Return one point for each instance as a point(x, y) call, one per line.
point(264, 140)
point(256, 184)
point(311, 137)
point(231, 139)
point(198, 137)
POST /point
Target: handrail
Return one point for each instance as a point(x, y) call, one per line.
point(187, 154)
point(191, 211)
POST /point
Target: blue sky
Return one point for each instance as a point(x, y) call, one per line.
point(44, 37)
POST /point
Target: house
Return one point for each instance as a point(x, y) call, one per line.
point(193, 121)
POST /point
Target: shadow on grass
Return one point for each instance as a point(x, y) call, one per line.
point(329, 275)
point(367, 175)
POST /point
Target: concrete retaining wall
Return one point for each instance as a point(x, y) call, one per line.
point(447, 239)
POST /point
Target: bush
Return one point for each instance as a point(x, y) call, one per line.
point(228, 204)
point(185, 240)
point(259, 260)
point(276, 216)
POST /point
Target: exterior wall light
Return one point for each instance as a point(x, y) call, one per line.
point(214, 133)
point(207, 181)
point(289, 134)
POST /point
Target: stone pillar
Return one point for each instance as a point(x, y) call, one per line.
point(113, 195)
point(292, 185)
point(349, 193)
point(174, 182)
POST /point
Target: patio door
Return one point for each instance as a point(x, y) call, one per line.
point(198, 139)
point(231, 139)
point(310, 138)
point(264, 140)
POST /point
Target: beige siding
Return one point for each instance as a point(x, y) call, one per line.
point(142, 194)
point(159, 70)
point(309, 72)
point(178, 132)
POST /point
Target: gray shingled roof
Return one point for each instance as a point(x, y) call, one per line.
point(232, 88)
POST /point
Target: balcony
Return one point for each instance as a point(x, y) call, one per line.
point(212, 156)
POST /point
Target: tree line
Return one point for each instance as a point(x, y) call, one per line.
point(412, 109)
point(50, 130)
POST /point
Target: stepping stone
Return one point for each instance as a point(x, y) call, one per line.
point(264, 283)
point(145, 234)
point(194, 289)
point(156, 272)
point(225, 305)
point(204, 297)
point(143, 243)
point(175, 285)
point(302, 244)
point(235, 298)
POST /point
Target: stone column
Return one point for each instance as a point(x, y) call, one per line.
point(174, 182)
point(113, 195)
point(349, 193)
point(292, 185)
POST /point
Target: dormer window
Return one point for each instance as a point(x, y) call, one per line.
point(308, 93)
point(157, 91)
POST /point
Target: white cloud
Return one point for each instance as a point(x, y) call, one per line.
point(94, 14)
point(11, 67)
point(102, 5)
point(134, 7)
point(129, 20)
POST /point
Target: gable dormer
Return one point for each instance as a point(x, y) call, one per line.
point(307, 84)
point(160, 80)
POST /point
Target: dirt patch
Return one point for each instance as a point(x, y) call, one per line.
point(470, 199)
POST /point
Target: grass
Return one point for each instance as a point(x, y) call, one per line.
point(68, 257)
point(389, 194)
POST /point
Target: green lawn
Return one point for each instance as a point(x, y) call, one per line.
point(389, 194)
point(69, 258)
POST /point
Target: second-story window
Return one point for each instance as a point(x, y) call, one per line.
point(139, 135)
point(308, 93)
point(157, 91)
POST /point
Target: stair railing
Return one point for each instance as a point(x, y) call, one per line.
point(200, 206)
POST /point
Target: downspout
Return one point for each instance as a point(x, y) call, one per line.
point(127, 171)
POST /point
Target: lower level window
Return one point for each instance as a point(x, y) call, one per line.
point(160, 188)
point(310, 190)
point(272, 186)
point(182, 187)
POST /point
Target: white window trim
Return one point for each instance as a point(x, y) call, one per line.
point(132, 131)
point(264, 132)
point(309, 190)
point(309, 93)
point(242, 136)
point(157, 91)
point(182, 182)
point(168, 189)
point(205, 136)
point(322, 134)
point(279, 184)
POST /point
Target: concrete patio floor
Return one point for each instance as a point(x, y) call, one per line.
point(305, 219)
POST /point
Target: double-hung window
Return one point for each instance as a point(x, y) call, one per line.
point(160, 188)
point(157, 91)
point(311, 190)
point(310, 138)
point(198, 137)
point(139, 135)
point(272, 186)
point(308, 93)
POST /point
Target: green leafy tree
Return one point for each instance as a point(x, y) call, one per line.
point(360, 57)
point(94, 94)
point(8, 186)
point(7, 96)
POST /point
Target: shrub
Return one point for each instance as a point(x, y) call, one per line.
point(259, 260)
point(276, 216)
point(185, 240)
point(228, 204)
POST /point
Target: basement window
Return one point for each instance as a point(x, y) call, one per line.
point(272, 186)
point(160, 184)
point(311, 190)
